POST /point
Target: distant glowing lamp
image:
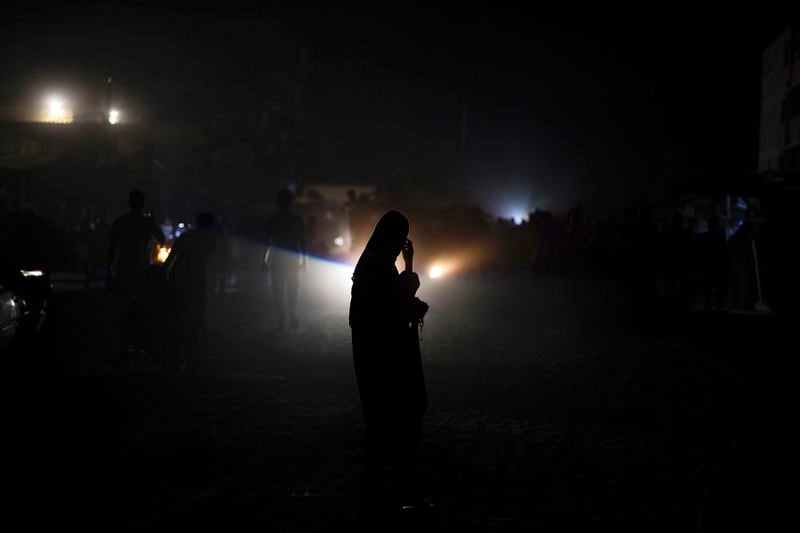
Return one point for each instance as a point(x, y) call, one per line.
point(31, 273)
point(113, 116)
point(519, 218)
point(57, 110)
point(338, 241)
point(437, 271)
point(516, 213)
point(55, 106)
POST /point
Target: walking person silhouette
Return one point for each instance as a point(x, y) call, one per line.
point(186, 279)
point(128, 259)
point(384, 317)
point(285, 258)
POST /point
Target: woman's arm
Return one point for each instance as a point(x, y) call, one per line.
point(408, 255)
point(409, 281)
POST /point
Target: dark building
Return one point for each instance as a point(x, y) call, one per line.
point(88, 162)
point(779, 139)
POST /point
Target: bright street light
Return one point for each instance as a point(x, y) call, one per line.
point(437, 271)
point(113, 117)
point(57, 110)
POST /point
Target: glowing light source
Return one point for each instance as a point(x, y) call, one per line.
point(329, 282)
point(31, 273)
point(162, 253)
point(113, 116)
point(519, 217)
point(57, 110)
point(436, 271)
point(339, 241)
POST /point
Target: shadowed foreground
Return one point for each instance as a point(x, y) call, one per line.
point(547, 410)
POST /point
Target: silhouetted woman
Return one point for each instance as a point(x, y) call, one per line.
point(384, 316)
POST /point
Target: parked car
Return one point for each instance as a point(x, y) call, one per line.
point(25, 295)
point(9, 316)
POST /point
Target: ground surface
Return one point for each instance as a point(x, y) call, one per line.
point(549, 410)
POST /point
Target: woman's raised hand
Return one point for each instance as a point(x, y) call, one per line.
point(408, 255)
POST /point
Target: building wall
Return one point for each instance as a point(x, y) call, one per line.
point(779, 136)
point(772, 89)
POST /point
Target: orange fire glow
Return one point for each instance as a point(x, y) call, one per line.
point(162, 253)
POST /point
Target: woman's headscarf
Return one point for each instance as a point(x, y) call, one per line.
point(385, 243)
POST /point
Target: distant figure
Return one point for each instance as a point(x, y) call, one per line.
point(717, 265)
point(285, 257)
point(679, 242)
point(543, 236)
point(384, 316)
point(742, 264)
point(219, 267)
point(186, 279)
point(131, 238)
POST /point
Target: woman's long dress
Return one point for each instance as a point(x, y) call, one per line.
point(387, 360)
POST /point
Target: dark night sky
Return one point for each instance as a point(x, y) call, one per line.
point(562, 105)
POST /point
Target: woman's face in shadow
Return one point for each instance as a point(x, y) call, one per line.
point(397, 247)
point(391, 234)
point(391, 248)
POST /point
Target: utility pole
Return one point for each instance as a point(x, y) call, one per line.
point(464, 137)
point(109, 81)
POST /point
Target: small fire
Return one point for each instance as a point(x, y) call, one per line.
point(162, 253)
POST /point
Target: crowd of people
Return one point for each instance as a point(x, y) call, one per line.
point(681, 256)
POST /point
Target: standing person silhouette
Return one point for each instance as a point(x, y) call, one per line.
point(285, 258)
point(128, 259)
point(384, 316)
point(717, 257)
point(186, 277)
